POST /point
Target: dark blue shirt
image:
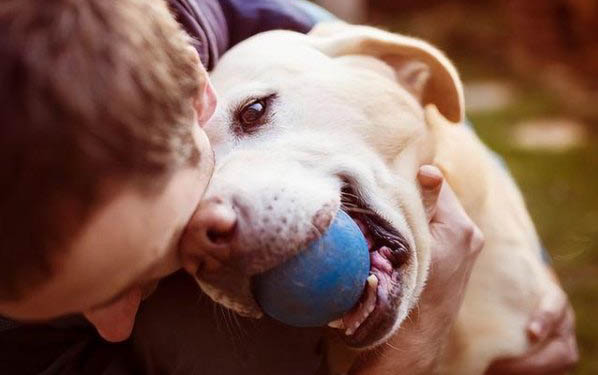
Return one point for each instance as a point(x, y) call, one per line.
point(216, 25)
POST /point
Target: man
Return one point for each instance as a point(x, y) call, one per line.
point(103, 149)
point(105, 161)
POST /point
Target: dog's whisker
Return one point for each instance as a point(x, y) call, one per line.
point(225, 313)
point(237, 332)
point(241, 330)
point(221, 316)
point(318, 231)
point(394, 347)
point(234, 331)
point(346, 193)
point(417, 310)
point(380, 352)
point(360, 210)
point(235, 326)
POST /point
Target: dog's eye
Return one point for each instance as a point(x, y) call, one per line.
point(252, 115)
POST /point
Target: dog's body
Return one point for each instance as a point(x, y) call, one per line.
point(509, 278)
point(346, 106)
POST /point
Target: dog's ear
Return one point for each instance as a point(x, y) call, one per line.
point(422, 69)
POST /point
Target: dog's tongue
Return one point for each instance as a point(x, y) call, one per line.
point(115, 321)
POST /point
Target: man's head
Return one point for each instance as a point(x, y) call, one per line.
point(102, 160)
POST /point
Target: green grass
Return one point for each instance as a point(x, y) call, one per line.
point(561, 191)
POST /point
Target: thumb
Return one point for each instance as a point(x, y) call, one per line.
point(430, 179)
point(551, 311)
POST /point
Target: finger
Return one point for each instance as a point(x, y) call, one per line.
point(567, 330)
point(548, 316)
point(568, 323)
point(556, 357)
point(449, 209)
point(430, 179)
point(573, 357)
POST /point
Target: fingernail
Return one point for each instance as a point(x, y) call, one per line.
point(537, 329)
point(429, 176)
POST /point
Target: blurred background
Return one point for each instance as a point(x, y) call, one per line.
point(531, 73)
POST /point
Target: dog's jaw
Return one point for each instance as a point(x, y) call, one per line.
point(396, 266)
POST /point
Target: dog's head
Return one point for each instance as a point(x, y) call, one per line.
point(307, 125)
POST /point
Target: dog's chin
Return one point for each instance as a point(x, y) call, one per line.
point(244, 305)
point(375, 318)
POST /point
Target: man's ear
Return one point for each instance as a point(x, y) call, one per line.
point(205, 100)
point(420, 68)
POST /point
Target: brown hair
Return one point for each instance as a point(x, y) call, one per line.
point(90, 90)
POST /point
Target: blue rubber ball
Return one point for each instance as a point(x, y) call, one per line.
point(322, 282)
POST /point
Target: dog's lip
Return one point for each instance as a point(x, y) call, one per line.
point(381, 320)
point(389, 252)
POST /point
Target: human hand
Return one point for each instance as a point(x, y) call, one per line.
point(551, 331)
point(456, 244)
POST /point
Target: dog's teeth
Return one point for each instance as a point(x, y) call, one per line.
point(338, 324)
point(351, 330)
point(362, 311)
point(372, 281)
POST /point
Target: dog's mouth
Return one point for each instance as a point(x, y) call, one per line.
point(375, 315)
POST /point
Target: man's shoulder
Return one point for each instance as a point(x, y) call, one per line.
point(217, 25)
point(6, 324)
point(65, 346)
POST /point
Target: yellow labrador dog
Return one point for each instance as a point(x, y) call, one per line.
point(344, 117)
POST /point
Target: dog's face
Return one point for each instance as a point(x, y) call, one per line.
point(305, 126)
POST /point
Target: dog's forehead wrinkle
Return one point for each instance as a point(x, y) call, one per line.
point(260, 57)
point(253, 89)
point(365, 170)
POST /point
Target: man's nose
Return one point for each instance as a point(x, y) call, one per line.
point(206, 244)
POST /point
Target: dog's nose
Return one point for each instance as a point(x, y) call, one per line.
point(206, 243)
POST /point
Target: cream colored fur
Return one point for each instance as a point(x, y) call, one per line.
point(360, 102)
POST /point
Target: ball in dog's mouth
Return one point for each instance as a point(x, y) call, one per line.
point(375, 314)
